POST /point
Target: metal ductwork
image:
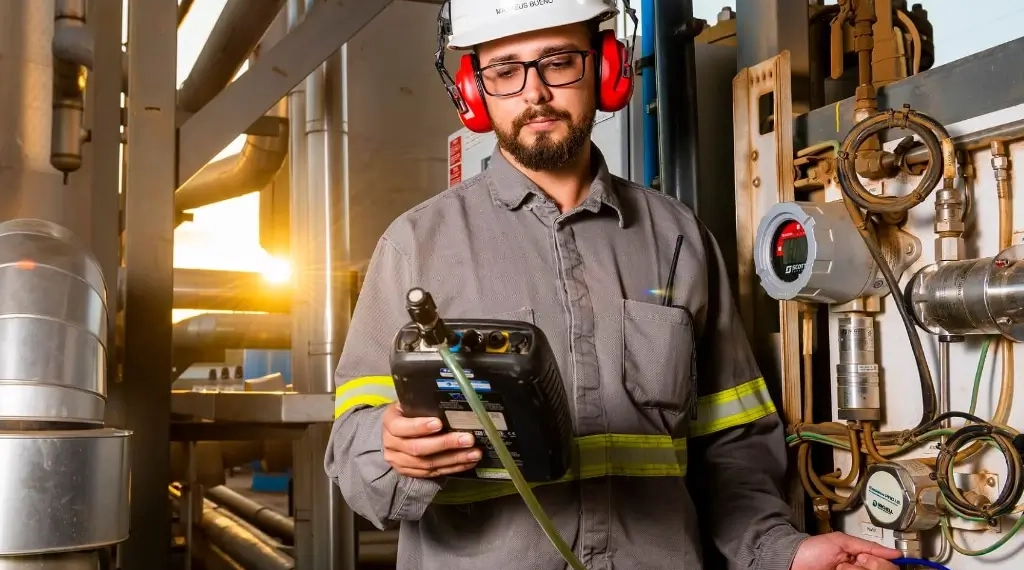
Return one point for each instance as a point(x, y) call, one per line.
point(209, 290)
point(53, 335)
point(234, 37)
point(271, 331)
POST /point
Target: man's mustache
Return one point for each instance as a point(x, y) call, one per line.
point(539, 112)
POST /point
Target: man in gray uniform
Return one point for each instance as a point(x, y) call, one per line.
point(546, 235)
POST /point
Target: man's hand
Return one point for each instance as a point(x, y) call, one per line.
point(838, 551)
point(412, 448)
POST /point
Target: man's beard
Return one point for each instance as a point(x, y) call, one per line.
point(546, 153)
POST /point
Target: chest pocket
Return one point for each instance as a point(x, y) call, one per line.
point(658, 357)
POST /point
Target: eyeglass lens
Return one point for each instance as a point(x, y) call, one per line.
point(556, 70)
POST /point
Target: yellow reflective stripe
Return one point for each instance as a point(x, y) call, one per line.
point(733, 407)
point(365, 391)
point(601, 455)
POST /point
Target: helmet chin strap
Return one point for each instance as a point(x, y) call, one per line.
point(444, 29)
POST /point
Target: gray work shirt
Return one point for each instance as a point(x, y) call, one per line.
point(654, 390)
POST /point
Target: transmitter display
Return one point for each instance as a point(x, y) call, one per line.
point(789, 251)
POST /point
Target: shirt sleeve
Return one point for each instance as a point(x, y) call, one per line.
point(354, 459)
point(737, 438)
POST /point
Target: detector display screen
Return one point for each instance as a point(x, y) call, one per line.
point(789, 255)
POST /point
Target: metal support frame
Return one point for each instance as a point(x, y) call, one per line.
point(766, 28)
point(676, 100)
point(144, 394)
point(950, 93)
point(320, 34)
point(102, 155)
point(764, 177)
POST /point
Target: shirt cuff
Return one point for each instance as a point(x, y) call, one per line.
point(778, 548)
point(412, 495)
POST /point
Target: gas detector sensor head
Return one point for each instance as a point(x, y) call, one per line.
point(812, 252)
point(474, 22)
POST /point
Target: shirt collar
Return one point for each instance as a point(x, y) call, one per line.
point(510, 187)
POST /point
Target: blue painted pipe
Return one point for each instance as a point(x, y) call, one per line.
point(648, 93)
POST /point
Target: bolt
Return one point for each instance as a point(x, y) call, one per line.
point(991, 481)
point(910, 249)
point(754, 155)
point(726, 14)
point(878, 284)
point(756, 182)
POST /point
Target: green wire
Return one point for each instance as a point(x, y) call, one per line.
point(506, 459)
point(977, 374)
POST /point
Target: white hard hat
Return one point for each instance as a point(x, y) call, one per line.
point(477, 21)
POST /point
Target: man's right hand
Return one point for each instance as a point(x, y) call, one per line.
point(414, 448)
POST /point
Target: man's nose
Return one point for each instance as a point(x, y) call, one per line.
point(535, 91)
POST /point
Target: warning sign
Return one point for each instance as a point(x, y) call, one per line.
point(455, 175)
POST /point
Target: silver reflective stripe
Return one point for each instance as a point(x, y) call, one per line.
point(733, 407)
point(365, 391)
point(595, 456)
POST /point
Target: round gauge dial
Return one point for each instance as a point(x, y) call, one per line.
point(789, 255)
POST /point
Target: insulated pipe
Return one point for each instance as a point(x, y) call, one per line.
point(73, 41)
point(238, 31)
point(251, 170)
point(237, 542)
point(69, 76)
point(260, 516)
point(298, 198)
point(229, 291)
point(271, 331)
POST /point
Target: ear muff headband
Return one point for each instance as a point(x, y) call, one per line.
point(613, 72)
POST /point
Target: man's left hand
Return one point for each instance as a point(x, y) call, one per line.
point(838, 551)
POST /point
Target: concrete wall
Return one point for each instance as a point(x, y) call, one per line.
point(399, 120)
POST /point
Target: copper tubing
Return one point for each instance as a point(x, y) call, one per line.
point(1003, 192)
point(869, 444)
point(813, 485)
point(851, 476)
point(807, 348)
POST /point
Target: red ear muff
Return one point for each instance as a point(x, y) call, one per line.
point(475, 117)
point(615, 86)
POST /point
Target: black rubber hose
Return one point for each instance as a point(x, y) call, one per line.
point(1011, 492)
point(931, 133)
point(855, 195)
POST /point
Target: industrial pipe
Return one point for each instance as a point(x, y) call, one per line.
point(69, 76)
point(677, 99)
point(73, 41)
point(251, 170)
point(241, 25)
point(237, 542)
point(271, 331)
point(260, 516)
point(229, 291)
point(238, 30)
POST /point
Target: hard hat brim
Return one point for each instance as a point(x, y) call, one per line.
point(522, 23)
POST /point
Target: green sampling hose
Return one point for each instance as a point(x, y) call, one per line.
point(506, 458)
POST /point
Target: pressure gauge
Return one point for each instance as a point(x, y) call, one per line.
point(812, 252)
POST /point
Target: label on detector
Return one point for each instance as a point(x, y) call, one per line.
point(884, 497)
point(460, 417)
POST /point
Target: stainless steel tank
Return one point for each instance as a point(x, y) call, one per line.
point(63, 476)
point(53, 326)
